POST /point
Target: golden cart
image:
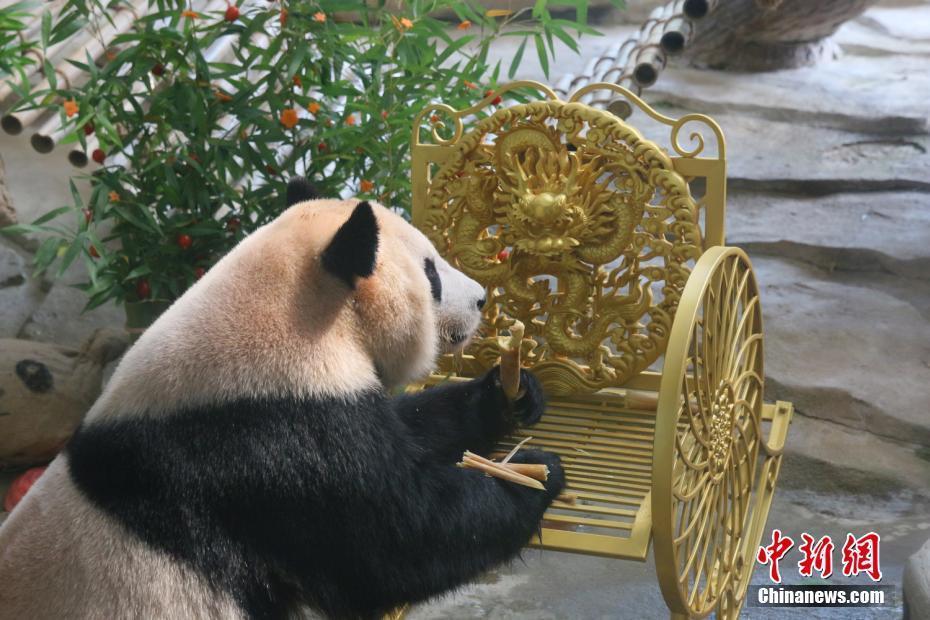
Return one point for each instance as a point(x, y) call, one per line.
point(643, 327)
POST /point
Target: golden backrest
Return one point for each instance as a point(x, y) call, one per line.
point(576, 225)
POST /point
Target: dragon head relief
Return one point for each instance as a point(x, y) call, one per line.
point(553, 201)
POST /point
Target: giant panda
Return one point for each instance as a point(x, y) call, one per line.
point(246, 460)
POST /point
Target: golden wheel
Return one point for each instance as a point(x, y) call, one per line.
point(708, 440)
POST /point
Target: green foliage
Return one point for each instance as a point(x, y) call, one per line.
point(199, 148)
point(13, 49)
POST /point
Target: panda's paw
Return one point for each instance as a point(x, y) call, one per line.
point(555, 482)
point(529, 408)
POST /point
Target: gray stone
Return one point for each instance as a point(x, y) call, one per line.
point(906, 21)
point(19, 295)
point(59, 319)
point(845, 353)
point(867, 37)
point(917, 583)
point(774, 156)
point(881, 231)
point(880, 95)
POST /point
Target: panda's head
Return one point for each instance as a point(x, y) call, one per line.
point(407, 302)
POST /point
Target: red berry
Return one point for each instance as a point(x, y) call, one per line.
point(233, 224)
point(88, 216)
point(232, 13)
point(20, 486)
point(270, 169)
point(496, 101)
point(88, 128)
point(321, 146)
point(143, 290)
point(93, 252)
point(198, 272)
point(98, 156)
point(158, 69)
point(184, 241)
point(503, 255)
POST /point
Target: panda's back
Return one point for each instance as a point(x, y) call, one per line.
point(62, 557)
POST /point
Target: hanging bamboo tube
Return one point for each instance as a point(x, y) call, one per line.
point(699, 9)
point(678, 32)
point(637, 62)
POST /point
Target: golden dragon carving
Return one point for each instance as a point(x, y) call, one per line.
point(577, 226)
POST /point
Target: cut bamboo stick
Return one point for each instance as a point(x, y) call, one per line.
point(496, 470)
point(510, 361)
point(536, 471)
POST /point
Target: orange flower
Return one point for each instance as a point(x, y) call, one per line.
point(319, 16)
point(350, 120)
point(469, 84)
point(289, 118)
point(71, 108)
point(434, 119)
point(221, 96)
point(406, 23)
point(313, 107)
point(190, 14)
point(465, 25)
point(366, 186)
point(114, 196)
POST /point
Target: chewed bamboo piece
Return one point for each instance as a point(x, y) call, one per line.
point(510, 361)
point(470, 460)
point(527, 474)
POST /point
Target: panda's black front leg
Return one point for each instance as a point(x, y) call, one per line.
point(469, 415)
point(440, 527)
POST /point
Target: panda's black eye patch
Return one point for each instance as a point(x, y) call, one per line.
point(435, 285)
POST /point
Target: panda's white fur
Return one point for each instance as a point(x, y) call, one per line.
point(252, 322)
point(268, 321)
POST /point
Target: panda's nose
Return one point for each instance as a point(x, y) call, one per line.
point(480, 303)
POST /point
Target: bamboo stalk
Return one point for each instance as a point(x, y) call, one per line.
point(510, 361)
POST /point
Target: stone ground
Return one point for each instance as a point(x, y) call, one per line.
point(829, 177)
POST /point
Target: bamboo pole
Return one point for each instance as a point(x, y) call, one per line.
point(699, 9)
point(637, 62)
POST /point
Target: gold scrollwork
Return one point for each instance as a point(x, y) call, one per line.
point(577, 226)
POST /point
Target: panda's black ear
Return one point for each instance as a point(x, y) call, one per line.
point(351, 254)
point(300, 189)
